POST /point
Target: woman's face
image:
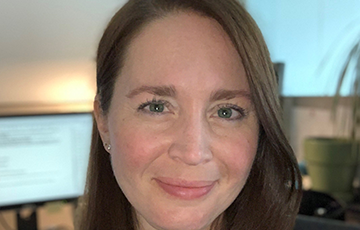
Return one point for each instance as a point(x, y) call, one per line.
point(181, 124)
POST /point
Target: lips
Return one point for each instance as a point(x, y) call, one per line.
point(186, 190)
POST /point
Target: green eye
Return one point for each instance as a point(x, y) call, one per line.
point(156, 108)
point(225, 112)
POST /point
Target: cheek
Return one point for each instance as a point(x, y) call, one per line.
point(239, 156)
point(133, 148)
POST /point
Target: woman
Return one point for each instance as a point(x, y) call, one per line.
point(187, 132)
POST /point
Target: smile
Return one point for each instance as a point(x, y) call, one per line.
point(186, 190)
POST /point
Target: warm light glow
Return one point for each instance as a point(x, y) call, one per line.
point(60, 81)
point(76, 89)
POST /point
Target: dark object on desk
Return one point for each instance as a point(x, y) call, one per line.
point(316, 223)
point(352, 214)
point(321, 205)
point(27, 223)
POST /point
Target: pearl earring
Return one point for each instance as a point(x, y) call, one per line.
point(107, 146)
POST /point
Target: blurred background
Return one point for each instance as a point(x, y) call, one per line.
point(47, 66)
point(47, 49)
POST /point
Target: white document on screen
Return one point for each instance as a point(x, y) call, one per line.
point(43, 157)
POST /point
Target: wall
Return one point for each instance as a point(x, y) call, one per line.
point(312, 38)
point(311, 117)
point(48, 48)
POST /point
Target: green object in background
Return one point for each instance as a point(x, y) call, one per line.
point(331, 164)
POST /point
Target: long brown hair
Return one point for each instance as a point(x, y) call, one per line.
point(271, 196)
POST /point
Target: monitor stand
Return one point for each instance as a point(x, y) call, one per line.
point(28, 221)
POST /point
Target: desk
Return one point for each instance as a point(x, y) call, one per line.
point(48, 218)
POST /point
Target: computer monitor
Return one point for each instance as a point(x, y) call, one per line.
point(43, 158)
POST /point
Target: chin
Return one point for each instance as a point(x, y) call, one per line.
point(182, 226)
point(188, 220)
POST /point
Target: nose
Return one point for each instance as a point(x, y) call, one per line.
point(191, 143)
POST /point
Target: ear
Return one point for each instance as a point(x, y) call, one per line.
point(101, 121)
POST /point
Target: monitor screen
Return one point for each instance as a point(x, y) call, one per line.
point(43, 157)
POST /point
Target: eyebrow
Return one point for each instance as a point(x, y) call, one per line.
point(165, 91)
point(170, 91)
point(229, 94)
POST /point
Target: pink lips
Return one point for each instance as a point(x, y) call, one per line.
point(186, 190)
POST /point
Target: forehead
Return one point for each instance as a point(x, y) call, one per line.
point(183, 46)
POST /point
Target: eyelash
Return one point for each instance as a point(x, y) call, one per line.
point(238, 109)
point(153, 101)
